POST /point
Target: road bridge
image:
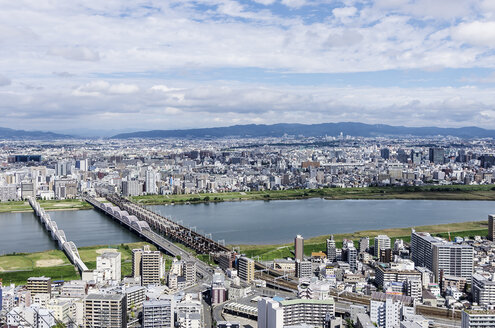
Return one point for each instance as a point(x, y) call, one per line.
point(59, 235)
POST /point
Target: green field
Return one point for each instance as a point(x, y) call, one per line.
point(453, 192)
point(316, 244)
point(16, 268)
point(48, 205)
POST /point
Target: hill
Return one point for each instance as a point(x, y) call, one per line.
point(312, 130)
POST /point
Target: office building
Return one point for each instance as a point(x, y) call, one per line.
point(105, 310)
point(331, 249)
point(478, 318)
point(491, 227)
point(385, 153)
point(158, 313)
point(304, 269)
point(299, 247)
point(381, 242)
point(436, 155)
point(39, 285)
point(108, 265)
point(246, 269)
point(275, 314)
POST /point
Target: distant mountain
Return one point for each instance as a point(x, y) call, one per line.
point(312, 130)
point(6, 133)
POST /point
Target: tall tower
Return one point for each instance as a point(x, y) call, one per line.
point(299, 247)
point(491, 227)
point(331, 249)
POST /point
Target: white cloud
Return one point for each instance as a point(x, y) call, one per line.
point(475, 33)
point(75, 53)
point(294, 3)
point(265, 2)
point(97, 88)
point(344, 12)
point(4, 81)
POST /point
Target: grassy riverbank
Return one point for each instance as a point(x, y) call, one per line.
point(16, 268)
point(270, 252)
point(454, 192)
point(48, 205)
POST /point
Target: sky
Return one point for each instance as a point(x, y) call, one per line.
point(119, 65)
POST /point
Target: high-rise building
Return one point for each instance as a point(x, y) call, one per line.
point(39, 285)
point(246, 269)
point(477, 318)
point(416, 156)
point(364, 244)
point(147, 264)
point(304, 269)
point(441, 257)
point(381, 242)
point(351, 257)
point(105, 310)
point(483, 289)
point(158, 313)
point(331, 249)
point(436, 155)
point(189, 272)
point(132, 188)
point(151, 182)
point(385, 153)
point(299, 247)
point(137, 254)
point(491, 227)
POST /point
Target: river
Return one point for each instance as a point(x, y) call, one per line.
point(246, 222)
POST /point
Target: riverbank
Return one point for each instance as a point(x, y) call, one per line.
point(316, 244)
point(451, 192)
point(48, 205)
point(17, 268)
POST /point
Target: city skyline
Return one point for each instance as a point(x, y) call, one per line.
point(190, 64)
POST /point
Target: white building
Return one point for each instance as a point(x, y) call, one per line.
point(108, 266)
point(158, 313)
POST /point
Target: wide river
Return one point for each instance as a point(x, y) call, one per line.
point(247, 222)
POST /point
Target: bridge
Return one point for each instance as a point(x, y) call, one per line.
point(172, 230)
point(143, 229)
point(59, 235)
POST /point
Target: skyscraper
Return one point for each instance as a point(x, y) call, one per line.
point(150, 182)
point(299, 247)
point(436, 155)
point(491, 227)
point(331, 249)
point(381, 242)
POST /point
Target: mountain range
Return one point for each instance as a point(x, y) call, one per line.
point(6, 133)
point(312, 130)
point(274, 130)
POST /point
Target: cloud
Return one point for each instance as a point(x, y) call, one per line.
point(294, 3)
point(344, 12)
point(75, 53)
point(98, 88)
point(4, 81)
point(63, 74)
point(475, 33)
point(265, 2)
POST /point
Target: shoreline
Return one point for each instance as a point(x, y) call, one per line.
point(456, 192)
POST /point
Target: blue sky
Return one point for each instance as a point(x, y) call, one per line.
point(150, 64)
